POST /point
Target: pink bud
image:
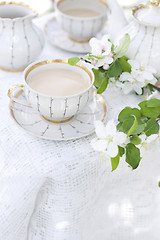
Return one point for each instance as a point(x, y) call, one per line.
point(106, 66)
point(94, 63)
point(103, 48)
point(111, 54)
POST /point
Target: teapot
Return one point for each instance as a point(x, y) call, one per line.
point(21, 41)
point(144, 32)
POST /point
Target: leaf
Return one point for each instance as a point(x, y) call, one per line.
point(150, 87)
point(101, 80)
point(132, 155)
point(129, 125)
point(133, 127)
point(140, 128)
point(126, 67)
point(152, 127)
point(121, 151)
point(103, 86)
point(115, 69)
point(153, 103)
point(127, 112)
point(150, 112)
point(115, 162)
point(135, 140)
point(99, 77)
point(123, 46)
point(73, 61)
point(119, 127)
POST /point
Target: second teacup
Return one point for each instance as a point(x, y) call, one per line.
point(55, 89)
point(82, 19)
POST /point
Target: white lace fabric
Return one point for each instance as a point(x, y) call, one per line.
point(64, 190)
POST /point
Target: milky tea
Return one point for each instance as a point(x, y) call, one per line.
point(58, 81)
point(78, 12)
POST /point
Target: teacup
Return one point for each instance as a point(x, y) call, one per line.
point(81, 19)
point(55, 89)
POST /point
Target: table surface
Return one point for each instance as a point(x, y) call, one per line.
point(64, 190)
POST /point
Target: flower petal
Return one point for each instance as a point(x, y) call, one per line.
point(110, 128)
point(127, 87)
point(124, 77)
point(134, 64)
point(112, 150)
point(120, 138)
point(108, 60)
point(100, 129)
point(99, 145)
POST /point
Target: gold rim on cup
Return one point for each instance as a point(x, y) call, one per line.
point(102, 1)
point(57, 61)
point(19, 4)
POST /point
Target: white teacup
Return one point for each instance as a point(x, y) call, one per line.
point(55, 89)
point(81, 19)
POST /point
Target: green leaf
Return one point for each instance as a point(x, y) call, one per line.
point(73, 61)
point(150, 87)
point(103, 86)
point(115, 162)
point(119, 127)
point(133, 127)
point(115, 69)
point(159, 184)
point(135, 140)
point(99, 77)
point(140, 128)
point(126, 67)
point(148, 111)
point(153, 103)
point(132, 155)
point(101, 80)
point(152, 127)
point(129, 125)
point(123, 46)
point(121, 151)
point(127, 112)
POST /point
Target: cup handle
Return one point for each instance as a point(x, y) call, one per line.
point(14, 98)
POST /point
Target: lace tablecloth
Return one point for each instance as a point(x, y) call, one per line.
point(64, 190)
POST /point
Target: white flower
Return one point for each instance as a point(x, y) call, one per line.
point(129, 82)
point(147, 140)
point(101, 52)
point(145, 73)
point(108, 138)
point(100, 46)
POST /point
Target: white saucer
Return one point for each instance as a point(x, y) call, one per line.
point(57, 37)
point(79, 126)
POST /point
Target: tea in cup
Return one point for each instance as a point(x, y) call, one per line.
point(55, 89)
point(82, 19)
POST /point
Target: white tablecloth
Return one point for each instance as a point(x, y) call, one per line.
point(66, 191)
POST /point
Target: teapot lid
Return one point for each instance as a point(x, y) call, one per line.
point(148, 14)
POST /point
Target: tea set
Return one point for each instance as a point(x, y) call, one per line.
point(70, 115)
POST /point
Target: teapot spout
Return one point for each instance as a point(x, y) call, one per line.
point(117, 19)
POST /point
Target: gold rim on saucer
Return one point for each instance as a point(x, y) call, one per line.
point(12, 70)
point(100, 99)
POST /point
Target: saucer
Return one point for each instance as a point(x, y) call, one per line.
point(79, 126)
point(57, 37)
